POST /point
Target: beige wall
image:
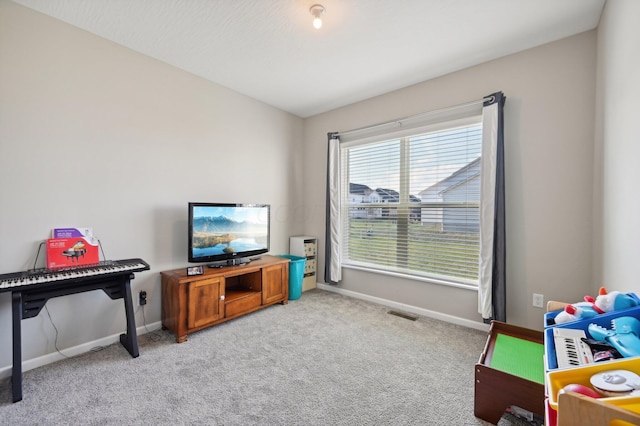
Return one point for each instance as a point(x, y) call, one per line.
point(618, 140)
point(549, 117)
point(93, 134)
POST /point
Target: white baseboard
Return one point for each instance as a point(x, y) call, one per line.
point(407, 308)
point(30, 364)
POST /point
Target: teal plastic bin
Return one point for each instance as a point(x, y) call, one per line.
point(296, 274)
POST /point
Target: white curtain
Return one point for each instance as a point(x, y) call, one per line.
point(491, 285)
point(333, 237)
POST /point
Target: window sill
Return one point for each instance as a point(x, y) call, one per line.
point(430, 280)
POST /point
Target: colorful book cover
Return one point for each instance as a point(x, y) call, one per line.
point(70, 252)
point(71, 232)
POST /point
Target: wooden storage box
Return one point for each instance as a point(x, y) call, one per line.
point(497, 389)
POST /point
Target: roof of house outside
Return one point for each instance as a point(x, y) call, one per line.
point(387, 195)
point(455, 179)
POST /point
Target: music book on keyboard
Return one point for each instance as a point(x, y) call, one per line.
point(72, 247)
point(71, 232)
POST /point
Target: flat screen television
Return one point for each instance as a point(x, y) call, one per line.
point(228, 234)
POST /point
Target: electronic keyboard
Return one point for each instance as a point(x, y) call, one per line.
point(9, 282)
point(30, 291)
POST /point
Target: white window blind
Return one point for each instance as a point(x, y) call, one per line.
point(410, 203)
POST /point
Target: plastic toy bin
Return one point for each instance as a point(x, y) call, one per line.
point(549, 316)
point(503, 378)
point(296, 274)
point(603, 320)
point(558, 379)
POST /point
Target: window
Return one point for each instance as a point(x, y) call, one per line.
point(410, 203)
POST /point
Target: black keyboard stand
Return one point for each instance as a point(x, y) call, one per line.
point(28, 301)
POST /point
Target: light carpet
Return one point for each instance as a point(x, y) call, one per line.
point(325, 359)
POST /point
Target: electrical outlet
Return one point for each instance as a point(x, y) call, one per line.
point(143, 298)
point(538, 300)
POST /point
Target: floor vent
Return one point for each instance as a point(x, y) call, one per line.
point(403, 315)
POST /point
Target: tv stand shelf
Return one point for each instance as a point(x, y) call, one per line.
point(192, 303)
point(234, 294)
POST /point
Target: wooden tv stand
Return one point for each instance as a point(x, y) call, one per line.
point(191, 303)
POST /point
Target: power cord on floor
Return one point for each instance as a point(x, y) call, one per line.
point(55, 342)
point(153, 336)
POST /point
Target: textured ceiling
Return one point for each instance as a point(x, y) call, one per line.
point(269, 50)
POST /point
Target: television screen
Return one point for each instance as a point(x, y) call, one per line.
point(227, 232)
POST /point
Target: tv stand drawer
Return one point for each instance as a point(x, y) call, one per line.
point(242, 304)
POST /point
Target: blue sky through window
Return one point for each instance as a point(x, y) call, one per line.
point(433, 157)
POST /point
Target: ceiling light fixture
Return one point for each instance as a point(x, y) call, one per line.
point(316, 11)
